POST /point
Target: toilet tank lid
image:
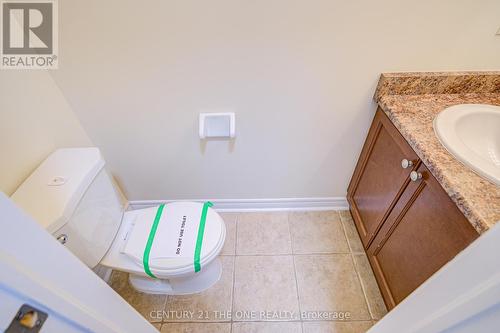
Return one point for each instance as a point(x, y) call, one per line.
point(52, 192)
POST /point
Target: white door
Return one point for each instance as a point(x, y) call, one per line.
point(37, 271)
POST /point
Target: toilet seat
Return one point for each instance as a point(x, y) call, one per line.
point(163, 258)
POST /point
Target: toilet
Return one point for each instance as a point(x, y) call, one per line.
point(168, 249)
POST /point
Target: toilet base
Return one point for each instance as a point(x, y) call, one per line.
point(192, 284)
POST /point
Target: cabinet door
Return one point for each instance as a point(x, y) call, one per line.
point(379, 178)
point(423, 232)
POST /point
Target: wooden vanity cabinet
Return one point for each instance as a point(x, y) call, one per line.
point(410, 228)
point(423, 232)
point(379, 179)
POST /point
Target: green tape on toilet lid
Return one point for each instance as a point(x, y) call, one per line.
point(199, 239)
point(152, 232)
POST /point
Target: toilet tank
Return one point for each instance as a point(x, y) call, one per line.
point(72, 196)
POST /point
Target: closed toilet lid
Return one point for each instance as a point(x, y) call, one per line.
point(176, 235)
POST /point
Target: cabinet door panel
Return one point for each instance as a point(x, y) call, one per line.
point(379, 178)
point(423, 232)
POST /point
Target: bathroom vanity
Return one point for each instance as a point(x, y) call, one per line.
point(414, 205)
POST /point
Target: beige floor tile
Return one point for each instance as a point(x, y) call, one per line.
point(373, 296)
point(336, 327)
point(196, 328)
point(268, 327)
point(263, 233)
point(209, 305)
point(317, 232)
point(143, 303)
point(330, 283)
point(351, 232)
point(230, 242)
point(265, 283)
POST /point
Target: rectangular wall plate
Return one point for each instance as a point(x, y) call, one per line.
point(217, 125)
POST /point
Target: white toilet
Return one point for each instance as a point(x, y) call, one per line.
point(71, 195)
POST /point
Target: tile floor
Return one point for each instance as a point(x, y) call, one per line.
point(282, 272)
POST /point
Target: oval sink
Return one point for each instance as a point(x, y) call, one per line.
point(471, 133)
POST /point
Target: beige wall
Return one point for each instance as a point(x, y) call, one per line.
point(300, 76)
point(35, 119)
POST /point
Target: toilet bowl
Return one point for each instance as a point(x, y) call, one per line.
point(175, 275)
point(166, 249)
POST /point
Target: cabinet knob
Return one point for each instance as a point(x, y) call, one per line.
point(406, 163)
point(415, 176)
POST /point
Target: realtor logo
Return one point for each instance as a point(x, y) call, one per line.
point(29, 34)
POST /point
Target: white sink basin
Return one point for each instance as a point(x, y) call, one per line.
point(471, 133)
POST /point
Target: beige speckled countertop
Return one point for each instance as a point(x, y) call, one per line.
point(413, 114)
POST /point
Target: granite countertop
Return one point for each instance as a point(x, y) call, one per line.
point(412, 110)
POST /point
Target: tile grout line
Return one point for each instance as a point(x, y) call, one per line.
point(370, 310)
point(362, 287)
point(345, 233)
point(266, 321)
point(234, 269)
point(288, 255)
point(290, 235)
point(358, 275)
point(356, 269)
point(294, 271)
point(346, 236)
point(164, 309)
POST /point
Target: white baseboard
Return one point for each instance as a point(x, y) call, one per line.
point(260, 205)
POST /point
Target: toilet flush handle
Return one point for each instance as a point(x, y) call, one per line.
point(62, 238)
